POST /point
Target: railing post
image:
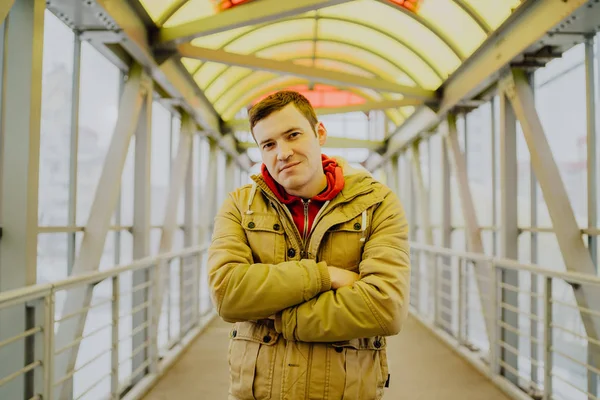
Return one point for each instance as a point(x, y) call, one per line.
point(548, 339)
point(154, 311)
point(494, 314)
point(182, 325)
point(114, 359)
point(436, 288)
point(49, 346)
point(461, 304)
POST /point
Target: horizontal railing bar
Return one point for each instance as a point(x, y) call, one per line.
point(20, 372)
point(512, 264)
point(517, 290)
point(23, 335)
point(570, 332)
point(33, 292)
point(582, 309)
point(85, 309)
point(521, 312)
point(518, 332)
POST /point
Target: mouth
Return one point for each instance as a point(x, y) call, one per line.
point(288, 166)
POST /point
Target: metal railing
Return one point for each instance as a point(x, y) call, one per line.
point(539, 346)
point(128, 338)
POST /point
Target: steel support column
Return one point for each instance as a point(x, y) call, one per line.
point(592, 174)
point(92, 245)
point(473, 231)
point(210, 190)
point(19, 170)
point(509, 235)
point(176, 185)
point(187, 265)
point(446, 234)
point(576, 256)
point(141, 230)
point(19, 164)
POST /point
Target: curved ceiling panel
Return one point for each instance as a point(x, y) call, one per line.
point(376, 38)
point(190, 11)
point(454, 23)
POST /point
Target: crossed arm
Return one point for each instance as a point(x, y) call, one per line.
point(314, 302)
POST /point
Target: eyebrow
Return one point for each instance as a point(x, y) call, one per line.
point(281, 134)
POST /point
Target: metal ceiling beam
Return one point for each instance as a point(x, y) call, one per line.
point(364, 107)
point(248, 14)
point(528, 24)
point(334, 142)
point(171, 76)
point(289, 68)
point(524, 28)
point(5, 8)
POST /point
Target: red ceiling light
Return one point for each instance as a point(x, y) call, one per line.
point(412, 5)
point(223, 5)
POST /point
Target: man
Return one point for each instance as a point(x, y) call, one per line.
point(311, 263)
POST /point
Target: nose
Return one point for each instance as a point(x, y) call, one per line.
point(284, 153)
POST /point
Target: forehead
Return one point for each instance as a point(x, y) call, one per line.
point(279, 122)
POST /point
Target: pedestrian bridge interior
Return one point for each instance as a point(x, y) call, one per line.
point(123, 126)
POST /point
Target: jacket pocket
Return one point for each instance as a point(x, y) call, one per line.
point(252, 354)
point(363, 364)
point(345, 244)
point(265, 236)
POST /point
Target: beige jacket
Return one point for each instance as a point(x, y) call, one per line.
point(324, 343)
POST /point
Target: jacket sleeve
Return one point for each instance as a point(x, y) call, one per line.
point(242, 290)
point(375, 305)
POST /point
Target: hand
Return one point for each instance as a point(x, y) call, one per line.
point(342, 277)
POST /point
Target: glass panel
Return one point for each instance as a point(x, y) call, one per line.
point(285, 51)
point(192, 10)
point(479, 170)
point(273, 34)
point(336, 65)
point(55, 129)
point(457, 25)
point(494, 12)
point(381, 44)
point(52, 257)
point(208, 72)
point(127, 186)
point(365, 59)
point(227, 78)
point(98, 112)
point(161, 162)
point(190, 64)
point(218, 40)
point(398, 25)
point(233, 100)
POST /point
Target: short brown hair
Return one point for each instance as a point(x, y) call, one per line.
point(279, 100)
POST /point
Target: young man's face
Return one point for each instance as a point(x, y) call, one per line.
point(290, 149)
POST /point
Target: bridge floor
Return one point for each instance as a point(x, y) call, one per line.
point(422, 368)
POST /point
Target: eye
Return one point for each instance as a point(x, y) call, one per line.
point(294, 134)
point(266, 146)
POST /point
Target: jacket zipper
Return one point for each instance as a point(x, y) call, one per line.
point(305, 231)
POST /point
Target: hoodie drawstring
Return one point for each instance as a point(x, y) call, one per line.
point(251, 199)
point(364, 225)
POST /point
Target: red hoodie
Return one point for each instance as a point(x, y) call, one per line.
point(335, 184)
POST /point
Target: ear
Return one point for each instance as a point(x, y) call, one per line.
point(321, 133)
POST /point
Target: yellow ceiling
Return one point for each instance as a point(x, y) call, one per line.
point(362, 37)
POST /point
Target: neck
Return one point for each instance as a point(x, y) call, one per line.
point(313, 188)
